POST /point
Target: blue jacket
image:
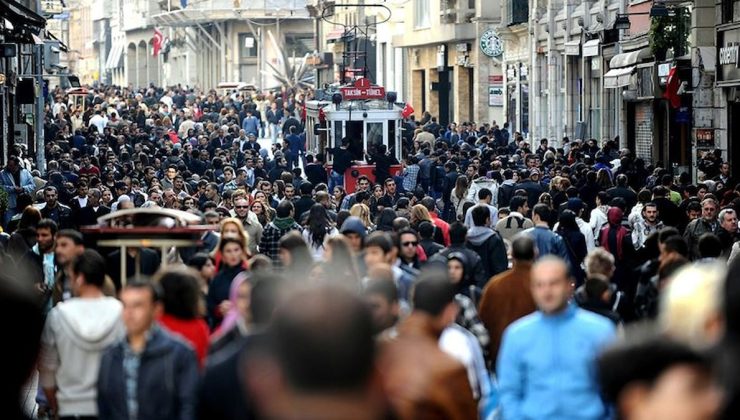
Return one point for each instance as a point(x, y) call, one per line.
point(167, 381)
point(8, 184)
point(251, 125)
point(546, 367)
point(548, 243)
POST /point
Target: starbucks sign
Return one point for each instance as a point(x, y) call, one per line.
point(491, 44)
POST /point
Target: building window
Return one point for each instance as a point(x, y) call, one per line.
point(247, 46)
point(645, 87)
point(518, 11)
point(298, 45)
point(421, 14)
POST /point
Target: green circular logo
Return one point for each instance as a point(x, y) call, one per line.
point(491, 44)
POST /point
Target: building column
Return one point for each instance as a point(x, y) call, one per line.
point(705, 114)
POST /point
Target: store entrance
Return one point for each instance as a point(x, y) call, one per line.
point(733, 130)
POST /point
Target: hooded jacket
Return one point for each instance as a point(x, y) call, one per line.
point(490, 246)
point(612, 236)
point(76, 333)
point(481, 183)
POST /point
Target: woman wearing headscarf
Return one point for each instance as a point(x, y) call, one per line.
point(616, 239)
point(236, 320)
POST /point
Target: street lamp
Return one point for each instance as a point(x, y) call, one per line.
point(657, 10)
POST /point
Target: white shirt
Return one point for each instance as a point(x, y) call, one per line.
point(98, 121)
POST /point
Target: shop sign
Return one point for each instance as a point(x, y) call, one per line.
point(491, 44)
point(705, 138)
point(573, 48)
point(495, 96)
point(728, 56)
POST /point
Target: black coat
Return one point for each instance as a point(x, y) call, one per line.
point(575, 243)
point(148, 263)
point(534, 191)
point(493, 257)
point(167, 381)
point(316, 174)
point(626, 193)
point(88, 216)
point(222, 394)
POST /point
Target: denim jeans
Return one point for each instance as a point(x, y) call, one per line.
point(335, 178)
point(274, 129)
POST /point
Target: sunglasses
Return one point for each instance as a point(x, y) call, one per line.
point(413, 243)
point(241, 207)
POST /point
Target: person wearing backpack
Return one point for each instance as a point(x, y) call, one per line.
point(487, 243)
point(507, 188)
point(515, 222)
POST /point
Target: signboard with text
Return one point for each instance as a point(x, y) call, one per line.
point(362, 89)
point(728, 57)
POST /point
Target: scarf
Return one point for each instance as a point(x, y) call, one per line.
point(283, 223)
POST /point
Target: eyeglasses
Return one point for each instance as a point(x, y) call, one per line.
point(412, 243)
point(241, 207)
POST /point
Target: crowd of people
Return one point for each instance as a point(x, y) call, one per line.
point(488, 278)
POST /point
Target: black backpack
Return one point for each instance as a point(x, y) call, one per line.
point(505, 192)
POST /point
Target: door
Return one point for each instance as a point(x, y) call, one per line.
point(376, 133)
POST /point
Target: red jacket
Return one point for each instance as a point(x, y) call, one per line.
point(193, 331)
point(443, 226)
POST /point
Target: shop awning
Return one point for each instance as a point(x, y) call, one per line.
point(114, 56)
point(573, 48)
point(616, 78)
point(591, 48)
point(335, 34)
point(629, 59)
point(19, 15)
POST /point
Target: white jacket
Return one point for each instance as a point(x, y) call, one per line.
point(76, 333)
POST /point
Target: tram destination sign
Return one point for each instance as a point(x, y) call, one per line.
point(362, 89)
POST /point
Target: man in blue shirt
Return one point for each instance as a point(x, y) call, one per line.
point(295, 147)
point(547, 363)
point(251, 125)
point(547, 241)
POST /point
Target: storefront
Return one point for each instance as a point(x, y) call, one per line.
point(728, 78)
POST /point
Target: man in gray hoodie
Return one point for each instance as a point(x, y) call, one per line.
point(76, 333)
point(487, 243)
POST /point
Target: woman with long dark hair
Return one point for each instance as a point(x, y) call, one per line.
point(319, 228)
point(467, 297)
point(295, 255)
point(575, 243)
point(385, 220)
point(181, 302)
point(233, 253)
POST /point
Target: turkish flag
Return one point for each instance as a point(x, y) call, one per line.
point(671, 89)
point(407, 110)
point(157, 42)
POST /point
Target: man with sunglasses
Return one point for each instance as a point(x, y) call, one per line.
point(408, 254)
point(250, 222)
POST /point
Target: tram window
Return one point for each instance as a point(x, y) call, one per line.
point(392, 138)
point(354, 134)
point(374, 136)
point(337, 130)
